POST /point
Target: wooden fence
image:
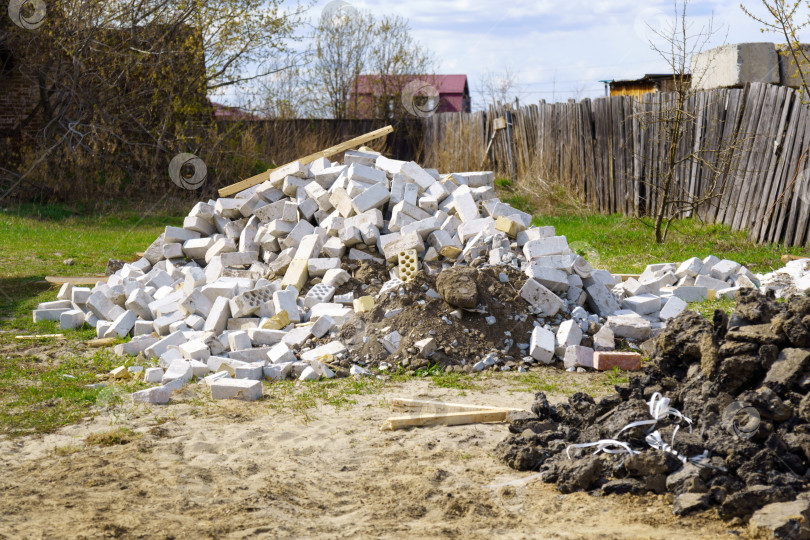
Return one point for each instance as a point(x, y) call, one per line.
point(742, 160)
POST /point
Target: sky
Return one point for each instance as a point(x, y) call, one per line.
point(559, 49)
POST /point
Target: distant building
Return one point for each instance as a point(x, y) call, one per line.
point(226, 112)
point(453, 94)
point(646, 85)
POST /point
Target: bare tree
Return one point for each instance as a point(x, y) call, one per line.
point(500, 87)
point(674, 119)
point(342, 45)
point(788, 19)
point(394, 61)
point(350, 43)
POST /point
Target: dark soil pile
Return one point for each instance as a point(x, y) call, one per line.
point(742, 379)
point(417, 311)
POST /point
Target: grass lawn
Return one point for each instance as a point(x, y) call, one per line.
point(43, 383)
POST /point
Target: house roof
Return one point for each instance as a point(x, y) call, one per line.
point(445, 84)
point(225, 112)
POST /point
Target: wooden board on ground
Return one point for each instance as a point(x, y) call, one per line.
point(41, 336)
point(329, 152)
point(449, 419)
point(410, 405)
point(103, 342)
point(76, 281)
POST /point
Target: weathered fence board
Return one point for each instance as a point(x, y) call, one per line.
point(738, 156)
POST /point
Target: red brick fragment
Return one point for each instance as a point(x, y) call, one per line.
point(607, 360)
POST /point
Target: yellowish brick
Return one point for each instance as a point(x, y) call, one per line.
point(451, 252)
point(296, 274)
point(408, 265)
point(120, 372)
point(364, 304)
point(279, 322)
point(509, 226)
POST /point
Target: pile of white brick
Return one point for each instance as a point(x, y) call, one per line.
point(246, 289)
point(664, 290)
point(240, 290)
point(792, 279)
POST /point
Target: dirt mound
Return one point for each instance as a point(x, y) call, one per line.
point(496, 325)
point(740, 383)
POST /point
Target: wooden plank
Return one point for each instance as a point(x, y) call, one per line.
point(785, 224)
point(406, 405)
point(766, 193)
point(763, 152)
point(103, 342)
point(76, 281)
point(450, 419)
point(731, 135)
point(40, 336)
point(329, 152)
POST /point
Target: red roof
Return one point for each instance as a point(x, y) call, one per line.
point(225, 112)
point(445, 84)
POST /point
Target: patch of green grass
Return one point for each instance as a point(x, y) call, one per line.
point(616, 377)
point(456, 380)
point(39, 396)
point(503, 183)
point(627, 245)
point(37, 239)
point(520, 202)
point(708, 307)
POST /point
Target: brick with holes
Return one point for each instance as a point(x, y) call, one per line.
point(319, 294)
point(408, 265)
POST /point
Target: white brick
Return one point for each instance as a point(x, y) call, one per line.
point(554, 245)
point(374, 197)
point(710, 283)
point(333, 348)
point(568, 334)
point(577, 356)
point(632, 327)
point(644, 304)
point(418, 175)
point(71, 320)
point(179, 370)
point(218, 317)
point(545, 301)
point(690, 268)
point(286, 301)
point(243, 389)
point(674, 307)
point(122, 325)
point(725, 269)
point(541, 345)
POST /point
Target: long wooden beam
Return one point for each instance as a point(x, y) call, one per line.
point(450, 419)
point(329, 152)
point(435, 407)
point(76, 281)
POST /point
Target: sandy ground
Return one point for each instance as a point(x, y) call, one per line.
point(238, 470)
